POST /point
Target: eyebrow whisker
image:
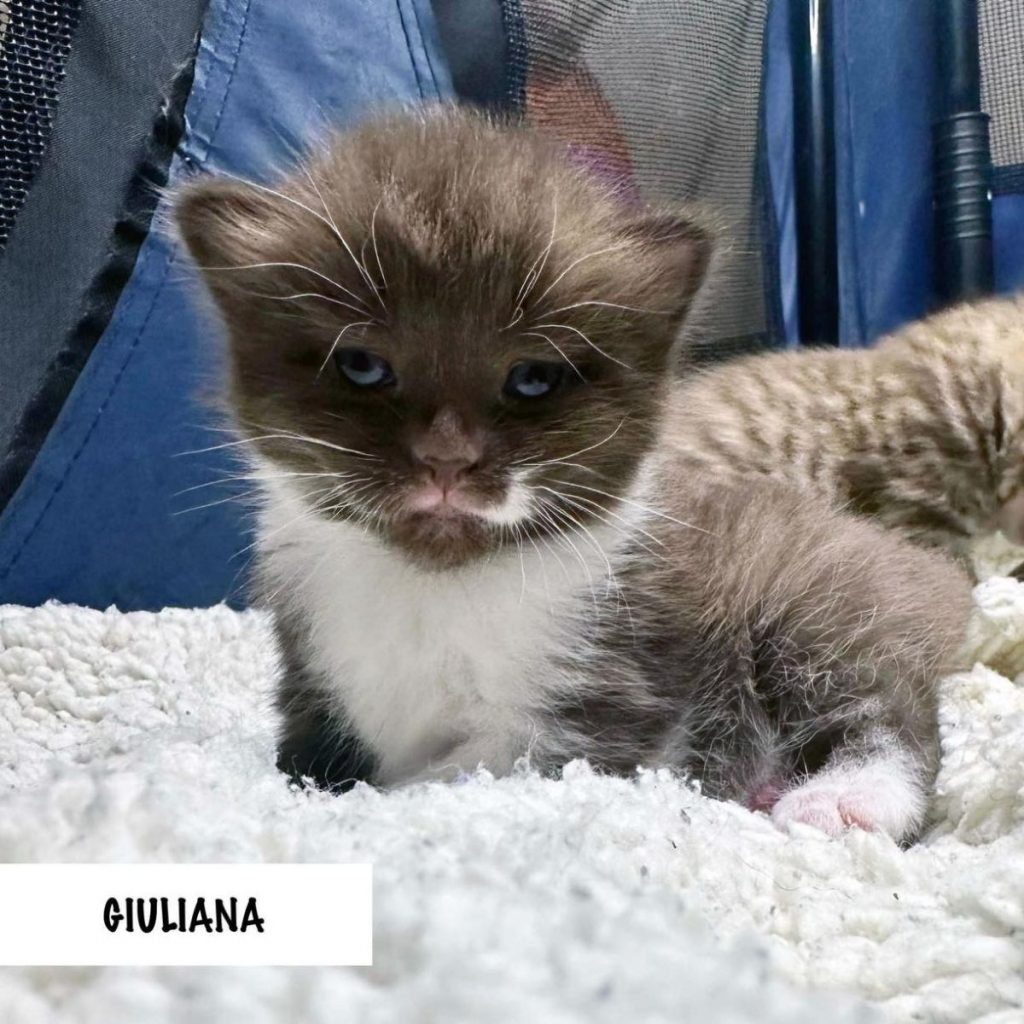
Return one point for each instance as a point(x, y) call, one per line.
point(373, 238)
point(608, 305)
point(341, 238)
point(534, 271)
point(580, 259)
point(339, 336)
point(558, 349)
point(595, 347)
point(295, 296)
point(295, 266)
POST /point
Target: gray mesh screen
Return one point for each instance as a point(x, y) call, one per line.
point(35, 40)
point(664, 96)
point(1001, 27)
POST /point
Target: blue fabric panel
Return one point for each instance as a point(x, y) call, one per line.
point(1008, 217)
point(885, 102)
point(94, 521)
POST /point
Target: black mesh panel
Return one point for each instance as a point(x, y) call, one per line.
point(75, 235)
point(35, 40)
point(1001, 26)
point(664, 97)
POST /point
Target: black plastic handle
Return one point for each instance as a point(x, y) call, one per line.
point(962, 165)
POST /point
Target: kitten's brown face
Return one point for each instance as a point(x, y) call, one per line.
point(442, 331)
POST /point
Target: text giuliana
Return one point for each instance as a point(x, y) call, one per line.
point(148, 914)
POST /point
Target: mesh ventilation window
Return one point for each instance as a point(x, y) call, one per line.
point(664, 97)
point(35, 40)
point(1001, 26)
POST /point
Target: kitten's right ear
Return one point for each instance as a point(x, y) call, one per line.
point(227, 224)
point(678, 246)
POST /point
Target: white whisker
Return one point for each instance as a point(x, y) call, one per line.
point(534, 270)
point(559, 462)
point(295, 266)
point(635, 504)
point(627, 529)
point(543, 570)
point(548, 511)
point(373, 239)
point(609, 305)
point(581, 451)
point(559, 350)
point(239, 497)
point(341, 238)
point(576, 262)
point(295, 296)
point(327, 221)
point(595, 347)
point(306, 513)
point(338, 337)
point(280, 436)
point(253, 477)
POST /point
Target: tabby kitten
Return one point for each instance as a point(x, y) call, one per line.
point(449, 364)
point(924, 432)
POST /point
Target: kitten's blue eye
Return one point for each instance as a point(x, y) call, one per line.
point(364, 369)
point(533, 380)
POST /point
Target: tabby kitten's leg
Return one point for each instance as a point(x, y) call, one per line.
point(827, 638)
point(880, 786)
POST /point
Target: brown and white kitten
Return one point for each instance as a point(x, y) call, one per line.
point(450, 359)
point(924, 432)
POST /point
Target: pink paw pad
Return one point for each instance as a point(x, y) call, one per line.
point(872, 800)
point(817, 806)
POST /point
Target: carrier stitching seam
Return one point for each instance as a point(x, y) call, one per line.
point(426, 48)
point(201, 92)
point(239, 42)
point(412, 52)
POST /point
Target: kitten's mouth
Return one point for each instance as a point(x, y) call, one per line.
point(442, 527)
point(434, 501)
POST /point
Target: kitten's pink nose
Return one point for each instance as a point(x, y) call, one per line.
point(446, 473)
point(447, 449)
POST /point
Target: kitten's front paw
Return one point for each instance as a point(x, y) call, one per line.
point(816, 804)
point(871, 798)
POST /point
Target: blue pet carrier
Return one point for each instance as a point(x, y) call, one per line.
point(867, 155)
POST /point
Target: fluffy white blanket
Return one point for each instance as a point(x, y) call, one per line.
point(587, 899)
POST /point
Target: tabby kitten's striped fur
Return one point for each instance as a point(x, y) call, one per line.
point(924, 432)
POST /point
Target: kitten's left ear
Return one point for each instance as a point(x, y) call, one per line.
point(230, 227)
point(224, 221)
point(676, 250)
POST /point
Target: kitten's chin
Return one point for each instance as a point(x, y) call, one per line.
point(444, 541)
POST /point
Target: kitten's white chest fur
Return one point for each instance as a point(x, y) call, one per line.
point(437, 671)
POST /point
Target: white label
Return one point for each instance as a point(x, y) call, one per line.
point(186, 914)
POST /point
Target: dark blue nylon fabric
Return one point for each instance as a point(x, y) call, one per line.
point(887, 82)
point(95, 521)
point(1008, 216)
point(885, 104)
